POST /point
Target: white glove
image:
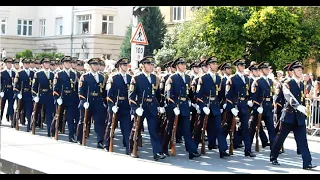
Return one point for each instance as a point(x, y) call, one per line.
point(115, 109)
point(194, 105)
point(198, 110)
point(139, 111)
point(250, 104)
point(36, 99)
point(302, 109)
point(260, 110)
point(235, 111)
point(162, 110)
point(206, 110)
point(189, 103)
point(221, 110)
point(1, 94)
point(86, 105)
point(224, 106)
point(19, 96)
point(59, 101)
point(176, 111)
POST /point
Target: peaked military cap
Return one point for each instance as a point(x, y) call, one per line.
point(180, 60)
point(202, 63)
point(294, 65)
point(239, 62)
point(253, 67)
point(146, 60)
point(80, 63)
point(169, 64)
point(194, 64)
point(26, 60)
point(53, 62)
point(32, 60)
point(121, 61)
point(263, 65)
point(16, 61)
point(94, 61)
point(225, 65)
point(45, 59)
point(74, 60)
point(66, 59)
point(8, 59)
point(211, 60)
point(102, 63)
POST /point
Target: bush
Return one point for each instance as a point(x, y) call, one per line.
point(25, 54)
point(52, 55)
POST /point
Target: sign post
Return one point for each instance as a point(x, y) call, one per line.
point(138, 41)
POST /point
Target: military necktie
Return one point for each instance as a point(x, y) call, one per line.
point(242, 77)
point(27, 71)
point(97, 77)
point(214, 78)
point(47, 74)
point(183, 77)
point(124, 79)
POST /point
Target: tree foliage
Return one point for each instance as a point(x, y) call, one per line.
point(125, 48)
point(24, 54)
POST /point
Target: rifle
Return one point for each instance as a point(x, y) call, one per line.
point(233, 125)
point(63, 128)
point(204, 128)
point(136, 131)
point(258, 127)
point(113, 124)
point(57, 117)
point(17, 112)
point(35, 113)
point(84, 134)
point(174, 130)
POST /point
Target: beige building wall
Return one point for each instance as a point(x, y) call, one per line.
point(168, 13)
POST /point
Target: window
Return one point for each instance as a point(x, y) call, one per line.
point(177, 13)
point(78, 55)
point(86, 55)
point(42, 27)
point(24, 27)
point(84, 23)
point(107, 24)
point(3, 26)
point(59, 26)
point(108, 56)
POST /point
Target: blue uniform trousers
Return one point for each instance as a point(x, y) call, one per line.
point(300, 135)
point(153, 125)
point(270, 126)
point(27, 106)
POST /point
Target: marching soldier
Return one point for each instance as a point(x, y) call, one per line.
point(143, 98)
point(23, 80)
point(178, 87)
point(91, 88)
point(43, 84)
point(262, 93)
point(255, 75)
point(118, 103)
point(6, 94)
point(32, 64)
point(293, 117)
point(37, 64)
point(194, 75)
point(16, 65)
point(65, 93)
point(208, 97)
point(237, 92)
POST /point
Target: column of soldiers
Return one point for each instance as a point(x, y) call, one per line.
point(209, 102)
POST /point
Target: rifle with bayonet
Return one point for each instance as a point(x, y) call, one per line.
point(136, 132)
point(204, 128)
point(113, 125)
point(258, 127)
point(233, 126)
point(57, 116)
point(85, 123)
point(35, 112)
point(18, 109)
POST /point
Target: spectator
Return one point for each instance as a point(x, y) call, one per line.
point(3, 54)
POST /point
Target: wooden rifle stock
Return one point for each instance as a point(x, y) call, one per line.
point(18, 109)
point(173, 136)
point(204, 128)
point(57, 118)
point(136, 132)
point(231, 134)
point(85, 123)
point(258, 131)
point(64, 119)
point(113, 126)
point(224, 118)
point(35, 114)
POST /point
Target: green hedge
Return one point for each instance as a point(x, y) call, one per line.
point(28, 54)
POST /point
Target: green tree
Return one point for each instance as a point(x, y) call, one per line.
point(125, 48)
point(224, 32)
point(274, 35)
point(25, 54)
point(155, 29)
point(52, 55)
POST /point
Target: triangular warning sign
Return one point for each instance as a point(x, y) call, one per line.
point(139, 36)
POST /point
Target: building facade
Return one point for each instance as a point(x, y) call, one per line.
point(79, 31)
point(176, 14)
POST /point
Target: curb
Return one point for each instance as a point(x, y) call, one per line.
point(309, 137)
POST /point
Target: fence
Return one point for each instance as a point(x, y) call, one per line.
point(313, 120)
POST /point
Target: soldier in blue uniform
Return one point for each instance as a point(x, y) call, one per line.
point(208, 97)
point(117, 92)
point(255, 75)
point(262, 93)
point(293, 117)
point(237, 92)
point(7, 79)
point(91, 85)
point(24, 80)
point(194, 67)
point(177, 91)
point(65, 93)
point(43, 82)
point(145, 84)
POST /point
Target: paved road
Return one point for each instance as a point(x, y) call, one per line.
point(49, 156)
